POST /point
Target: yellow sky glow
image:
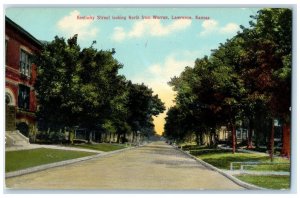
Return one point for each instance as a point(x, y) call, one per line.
point(167, 95)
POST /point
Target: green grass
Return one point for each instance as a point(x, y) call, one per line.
point(270, 167)
point(17, 160)
point(101, 147)
point(270, 182)
point(223, 158)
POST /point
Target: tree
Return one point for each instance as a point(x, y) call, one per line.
point(142, 105)
point(56, 84)
point(80, 88)
point(247, 78)
point(268, 64)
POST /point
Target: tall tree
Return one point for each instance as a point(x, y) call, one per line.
point(269, 43)
point(56, 85)
point(80, 88)
point(142, 105)
point(247, 78)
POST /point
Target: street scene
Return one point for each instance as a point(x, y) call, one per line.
point(183, 98)
point(155, 166)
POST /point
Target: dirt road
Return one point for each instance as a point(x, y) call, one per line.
point(155, 166)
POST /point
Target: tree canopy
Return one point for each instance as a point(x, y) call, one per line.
point(247, 78)
point(82, 88)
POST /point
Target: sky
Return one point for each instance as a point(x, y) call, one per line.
point(152, 50)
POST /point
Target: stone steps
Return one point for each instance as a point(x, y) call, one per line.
point(15, 138)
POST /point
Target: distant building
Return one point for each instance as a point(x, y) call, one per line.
point(20, 76)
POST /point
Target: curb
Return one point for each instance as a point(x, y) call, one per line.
point(232, 178)
point(63, 163)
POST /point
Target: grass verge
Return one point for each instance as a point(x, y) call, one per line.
point(101, 147)
point(18, 160)
point(223, 158)
point(269, 182)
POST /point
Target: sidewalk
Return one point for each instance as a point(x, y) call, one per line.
point(35, 146)
point(250, 151)
point(239, 172)
point(243, 150)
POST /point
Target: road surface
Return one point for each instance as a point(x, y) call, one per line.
point(155, 166)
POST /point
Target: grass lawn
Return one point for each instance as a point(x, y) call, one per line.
point(101, 146)
point(223, 158)
point(270, 182)
point(17, 160)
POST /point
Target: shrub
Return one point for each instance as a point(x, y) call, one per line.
point(52, 137)
point(23, 128)
point(79, 141)
point(56, 137)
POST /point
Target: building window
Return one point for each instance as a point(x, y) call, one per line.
point(24, 97)
point(25, 63)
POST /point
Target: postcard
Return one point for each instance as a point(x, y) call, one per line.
point(148, 98)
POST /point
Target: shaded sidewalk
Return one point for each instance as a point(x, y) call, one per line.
point(60, 147)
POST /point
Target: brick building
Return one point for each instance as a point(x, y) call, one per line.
point(20, 76)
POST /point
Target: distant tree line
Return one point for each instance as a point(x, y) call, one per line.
point(247, 79)
point(81, 88)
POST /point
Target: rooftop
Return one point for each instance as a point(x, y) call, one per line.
point(22, 31)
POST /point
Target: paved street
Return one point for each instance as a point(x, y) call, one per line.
point(154, 166)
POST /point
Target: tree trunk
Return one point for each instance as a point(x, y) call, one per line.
point(100, 136)
point(201, 138)
point(272, 141)
point(133, 137)
point(88, 133)
point(286, 144)
point(69, 135)
point(118, 138)
point(211, 139)
point(114, 137)
point(233, 138)
point(109, 137)
point(105, 137)
point(250, 134)
point(197, 139)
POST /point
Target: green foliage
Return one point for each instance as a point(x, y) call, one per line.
point(108, 126)
point(246, 78)
point(83, 88)
point(48, 137)
point(268, 66)
point(142, 105)
point(32, 133)
point(23, 128)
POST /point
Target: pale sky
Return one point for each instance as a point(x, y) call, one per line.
point(151, 50)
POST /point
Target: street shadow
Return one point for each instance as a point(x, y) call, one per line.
point(179, 164)
point(161, 151)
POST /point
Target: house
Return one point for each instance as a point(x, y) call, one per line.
point(20, 76)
